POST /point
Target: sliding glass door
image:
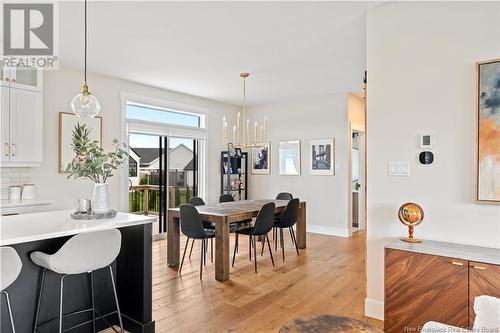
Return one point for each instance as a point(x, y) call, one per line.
point(163, 173)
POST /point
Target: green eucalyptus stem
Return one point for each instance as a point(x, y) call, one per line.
point(91, 161)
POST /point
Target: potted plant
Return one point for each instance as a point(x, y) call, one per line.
point(92, 162)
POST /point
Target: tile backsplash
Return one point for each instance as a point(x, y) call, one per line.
point(12, 176)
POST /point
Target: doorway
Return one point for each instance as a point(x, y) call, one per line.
point(357, 163)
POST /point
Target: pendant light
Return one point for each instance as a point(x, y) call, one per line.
point(85, 105)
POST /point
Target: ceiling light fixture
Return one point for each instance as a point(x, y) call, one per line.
point(85, 105)
point(243, 141)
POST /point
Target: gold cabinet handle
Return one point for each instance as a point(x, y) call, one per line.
point(6, 148)
point(13, 153)
point(457, 263)
point(479, 267)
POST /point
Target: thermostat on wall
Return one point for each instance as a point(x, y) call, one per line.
point(425, 141)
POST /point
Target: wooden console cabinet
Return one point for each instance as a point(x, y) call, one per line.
point(436, 281)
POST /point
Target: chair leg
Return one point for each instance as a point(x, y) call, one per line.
point(212, 250)
point(9, 310)
point(202, 254)
point(250, 248)
point(205, 244)
point(235, 248)
point(40, 294)
point(184, 254)
point(254, 242)
point(191, 251)
point(61, 292)
point(270, 251)
point(263, 243)
point(116, 299)
point(294, 240)
point(282, 242)
point(92, 300)
point(276, 239)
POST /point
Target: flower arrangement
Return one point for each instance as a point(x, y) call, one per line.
point(91, 161)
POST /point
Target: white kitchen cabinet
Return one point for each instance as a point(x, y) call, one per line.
point(22, 77)
point(21, 127)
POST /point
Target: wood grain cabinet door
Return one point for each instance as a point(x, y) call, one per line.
point(420, 288)
point(484, 279)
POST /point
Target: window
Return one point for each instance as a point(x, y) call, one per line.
point(162, 115)
point(132, 167)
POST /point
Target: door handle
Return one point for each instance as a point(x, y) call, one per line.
point(13, 152)
point(479, 267)
point(7, 150)
point(457, 263)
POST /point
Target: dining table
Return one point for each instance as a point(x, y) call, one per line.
point(222, 215)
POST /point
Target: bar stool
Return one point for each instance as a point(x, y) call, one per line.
point(10, 269)
point(83, 253)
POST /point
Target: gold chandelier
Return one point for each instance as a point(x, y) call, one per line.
point(241, 137)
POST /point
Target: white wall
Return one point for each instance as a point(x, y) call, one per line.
point(59, 88)
point(356, 107)
point(305, 119)
point(421, 77)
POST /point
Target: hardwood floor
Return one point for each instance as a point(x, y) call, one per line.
point(327, 277)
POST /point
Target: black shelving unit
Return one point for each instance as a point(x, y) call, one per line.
point(234, 171)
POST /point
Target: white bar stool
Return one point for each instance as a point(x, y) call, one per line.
point(83, 253)
point(9, 271)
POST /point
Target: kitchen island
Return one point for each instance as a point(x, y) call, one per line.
point(47, 232)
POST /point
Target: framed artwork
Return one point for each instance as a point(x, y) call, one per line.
point(289, 158)
point(322, 157)
point(261, 160)
point(67, 122)
point(488, 131)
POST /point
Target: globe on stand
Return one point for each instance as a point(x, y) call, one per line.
point(411, 215)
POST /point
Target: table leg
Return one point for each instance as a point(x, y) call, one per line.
point(173, 241)
point(222, 250)
point(301, 226)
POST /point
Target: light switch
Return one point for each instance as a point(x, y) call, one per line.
point(399, 169)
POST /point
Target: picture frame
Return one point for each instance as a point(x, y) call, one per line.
point(322, 157)
point(238, 152)
point(487, 129)
point(261, 159)
point(67, 122)
point(289, 158)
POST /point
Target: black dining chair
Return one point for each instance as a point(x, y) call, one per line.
point(277, 216)
point(263, 224)
point(192, 227)
point(198, 201)
point(288, 220)
point(284, 196)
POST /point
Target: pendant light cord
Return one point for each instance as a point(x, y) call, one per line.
point(85, 46)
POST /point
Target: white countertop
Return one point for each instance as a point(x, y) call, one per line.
point(37, 226)
point(24, 203)
point(452, 250)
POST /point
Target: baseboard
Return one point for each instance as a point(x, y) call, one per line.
point(323, 230)
point(374, 309)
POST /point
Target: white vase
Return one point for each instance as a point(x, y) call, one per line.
point(101, 202)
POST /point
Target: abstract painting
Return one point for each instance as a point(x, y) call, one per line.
point(260, 160)
point(488, 150)
point(322, 157)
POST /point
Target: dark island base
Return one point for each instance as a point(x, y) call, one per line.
point(133, 273)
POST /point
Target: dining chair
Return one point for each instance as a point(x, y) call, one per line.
point(263, 224)
point(287, 221)
point(277, 216)
point(198, 201)
point(192, 227)
point(284, 196)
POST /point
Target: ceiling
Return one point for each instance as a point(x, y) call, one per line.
point(292, 49)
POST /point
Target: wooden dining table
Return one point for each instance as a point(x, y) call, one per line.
point(223, 215)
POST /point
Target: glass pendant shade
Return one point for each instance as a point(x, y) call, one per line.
point(85, 105)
